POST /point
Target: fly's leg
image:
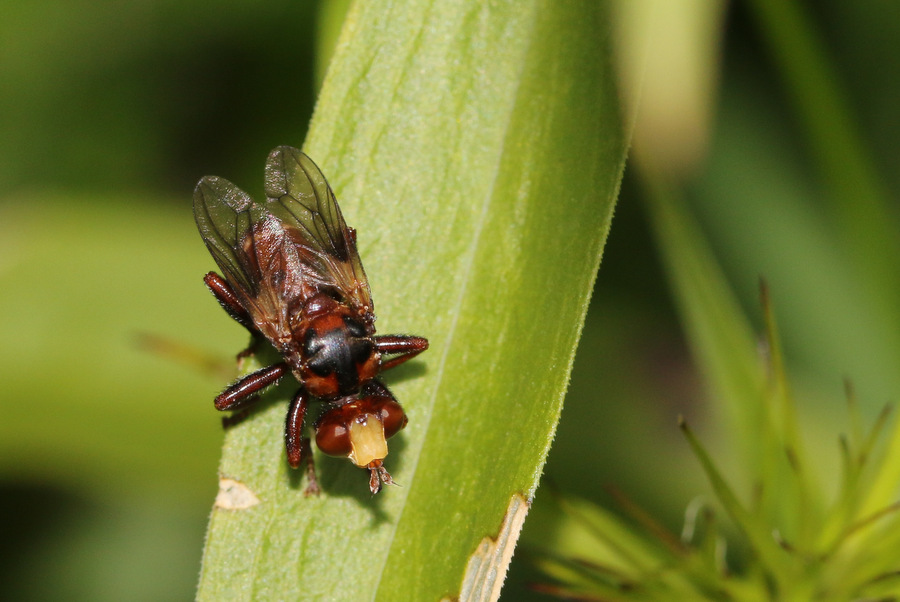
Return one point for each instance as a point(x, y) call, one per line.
point(298, 446)
point(237, 395)
point(241, 395)
point(227, 298)
point(404, 346)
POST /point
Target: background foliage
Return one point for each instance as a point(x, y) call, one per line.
point(110, 112)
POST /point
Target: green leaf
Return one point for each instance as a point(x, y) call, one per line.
point(720, 337)
point(478, 150)
point(856, 194)
point(760, 419)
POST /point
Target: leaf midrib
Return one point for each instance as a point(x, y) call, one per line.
point(466, 279)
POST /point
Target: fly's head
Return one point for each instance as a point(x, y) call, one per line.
point(359, 430)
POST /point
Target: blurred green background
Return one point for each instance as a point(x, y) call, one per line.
point(110, 112)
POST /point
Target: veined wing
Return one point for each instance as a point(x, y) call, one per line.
point(223, 215)
point(300, 197)
point(253, 251)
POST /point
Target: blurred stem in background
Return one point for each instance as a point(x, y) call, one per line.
point(794, 540)
point(671, 138)
point(851, 186)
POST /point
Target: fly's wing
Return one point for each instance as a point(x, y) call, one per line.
point(222, 212)
point(299, 196)
point(253, 251)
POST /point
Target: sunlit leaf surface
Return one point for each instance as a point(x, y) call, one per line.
point(477, 149)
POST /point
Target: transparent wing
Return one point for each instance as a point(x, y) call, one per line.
point(223, 215)
point(254, 253)
point(300, 197)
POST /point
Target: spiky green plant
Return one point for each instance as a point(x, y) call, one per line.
point(785, 536)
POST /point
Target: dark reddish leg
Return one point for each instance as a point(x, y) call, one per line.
point(298, 446)
point(238, 392)
point(226, 297)
point(407, 346)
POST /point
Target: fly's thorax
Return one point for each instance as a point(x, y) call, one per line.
point(337, 354)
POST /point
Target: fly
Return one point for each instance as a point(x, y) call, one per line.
point(291, 274)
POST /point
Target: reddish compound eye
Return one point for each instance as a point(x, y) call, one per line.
point(332, 434)
point(392, 416)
